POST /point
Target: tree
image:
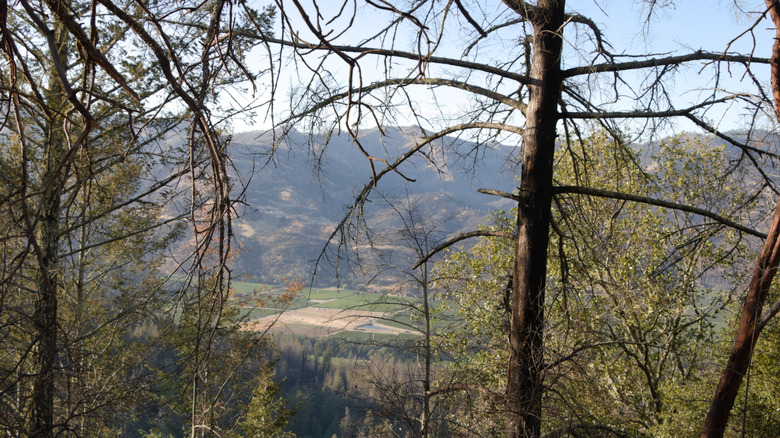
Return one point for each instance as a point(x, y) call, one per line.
point(546, 94)
point(641, 289)
point(71, 199)
point(89, 92)
point(752, 320)
point(476, 282)
point(404, 383)
point(635, 292)
point(268, 413)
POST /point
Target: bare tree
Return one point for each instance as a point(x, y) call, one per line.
point(407, 394)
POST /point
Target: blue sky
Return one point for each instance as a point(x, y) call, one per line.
point(688, 23)
point(679, 28)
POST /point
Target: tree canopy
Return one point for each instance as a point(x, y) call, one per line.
point(544, 76)
point(115, 141)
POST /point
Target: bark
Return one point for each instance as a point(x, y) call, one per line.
point(524, 387)
point(747, 334)
point(45, 318)
point(426, 409)
point(749, 330)
point(45, 237)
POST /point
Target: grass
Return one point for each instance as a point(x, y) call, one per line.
point(244, 287)
point(370, 302)
point(401, 320)
point(335, 298)
point(361, 337)
point(259, 312)
point(327, 293)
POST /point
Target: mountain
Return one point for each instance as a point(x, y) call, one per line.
point(298, 191)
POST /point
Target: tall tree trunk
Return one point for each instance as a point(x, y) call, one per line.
point(46, 241)
point(524, 388)
point(748, 330)
point(45, 316)
point(747, 334)
point(426, 408)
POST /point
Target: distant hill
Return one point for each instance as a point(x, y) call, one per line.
point(296, 195)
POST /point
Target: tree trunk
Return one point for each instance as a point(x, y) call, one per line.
point(45, 317)
point(524, 387)
point(46, 241)
point(426, 408)
point(748, 330)
point(747, 334)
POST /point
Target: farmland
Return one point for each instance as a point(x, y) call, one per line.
point(321, 312)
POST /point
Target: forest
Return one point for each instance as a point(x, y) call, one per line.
point(609, 272)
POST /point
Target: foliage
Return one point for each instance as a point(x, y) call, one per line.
point(475, 283)
point(91, 170)
point(635, 294)
point(525, 72)
point(755, 414)
point(267, 413)
point(82, 236)
point(758, 412)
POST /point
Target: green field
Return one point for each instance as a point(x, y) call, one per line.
point(242, 287)
point(368, 302)
point(333, 298)
point(398, 313)
point(396, 308)
point(259, 312)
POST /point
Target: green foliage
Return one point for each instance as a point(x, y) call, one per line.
point(318, 381)
point(760, 409)
point(267, 413)
point(104, 239)
point(754, 415)
point(640, 289)
point(211, 371)
point(475, 285)
point(635, 292)
point(86, 175)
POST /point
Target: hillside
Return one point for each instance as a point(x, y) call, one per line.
point(296, 195)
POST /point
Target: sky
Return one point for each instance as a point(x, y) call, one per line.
point(690, 23)
point(678, 28)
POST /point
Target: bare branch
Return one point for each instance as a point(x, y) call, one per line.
point(499, 193)
point(362, 197)
point(433, 82)
point(460, 237)
point(59, 10)
point(468, 17)
point(698, 55)
point(523, 9)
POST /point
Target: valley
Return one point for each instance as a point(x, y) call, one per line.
point(326, 311)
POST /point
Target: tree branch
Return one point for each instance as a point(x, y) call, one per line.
point(401, 82)
point(460, 237)
point(657, 202)
point(361, 198)
point(698, 55)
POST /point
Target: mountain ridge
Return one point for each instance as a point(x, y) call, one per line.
point(301, 188)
